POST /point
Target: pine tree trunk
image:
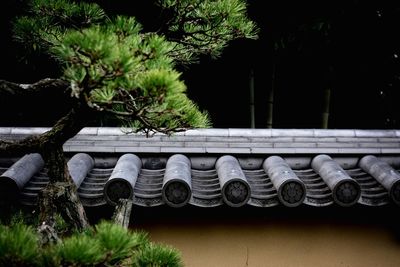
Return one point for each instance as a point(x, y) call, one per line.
point(59, 196)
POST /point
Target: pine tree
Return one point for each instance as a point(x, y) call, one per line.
point(111, 67)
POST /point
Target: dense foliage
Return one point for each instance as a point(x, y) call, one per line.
point(106, 244)
point(123, 71)
point(304, 48)
point(111, 67)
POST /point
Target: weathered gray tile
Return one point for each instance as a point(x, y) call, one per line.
point(5, 130)
point(230, 141)
point(390, 150)
point(339, 145)
point(139, 138)
point(393, 161)
point(283, 150)
point(250, 163)
point(80, 143)
point(88, 131)
point(110, 131)
point(195, 144)
point(208, 132)
point(334, 133)
point(281, 139)
point(360, 150)
point(93, 138)
point(203, 163)
point(388, 139)
point(293, 132)
point(356, 139)
point(263, 144)
point(223, 150)
point(347, 162)
point(138, 149)
point(182, 150)
point(261, 139)
point(317, 150)
point(262, 150)
point(375, 133)
point(180, 133)
point(176, 138)
point(188, 139)
point(105, 161)
point(297, 163)
point(163, 144)
point(91, 149)
point(314, 139)
point(386, 145)
point(294, 145)
point(215, 144)
point(116, 143)
point(235, 132)
point(29, 130)
point(227, 139)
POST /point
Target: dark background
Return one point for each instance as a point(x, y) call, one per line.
point(351, 47)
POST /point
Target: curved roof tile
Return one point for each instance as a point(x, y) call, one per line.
point(203, 184)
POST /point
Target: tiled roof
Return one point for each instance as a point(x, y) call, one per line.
point(212, 167)
point(229, 141)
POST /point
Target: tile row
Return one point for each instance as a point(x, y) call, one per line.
point(180, 179)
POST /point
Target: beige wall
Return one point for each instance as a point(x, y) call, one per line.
point(276, 237)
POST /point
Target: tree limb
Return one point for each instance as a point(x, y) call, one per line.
point(64, 129)
point(10, 89)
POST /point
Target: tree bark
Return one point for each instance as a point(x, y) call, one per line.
point(122, 212)
point(45, 86)
point(60, 195)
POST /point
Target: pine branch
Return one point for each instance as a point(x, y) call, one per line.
point(8, 89)
point(64, 129)
point(28, 145)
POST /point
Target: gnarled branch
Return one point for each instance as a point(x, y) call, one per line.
point(10, 89)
